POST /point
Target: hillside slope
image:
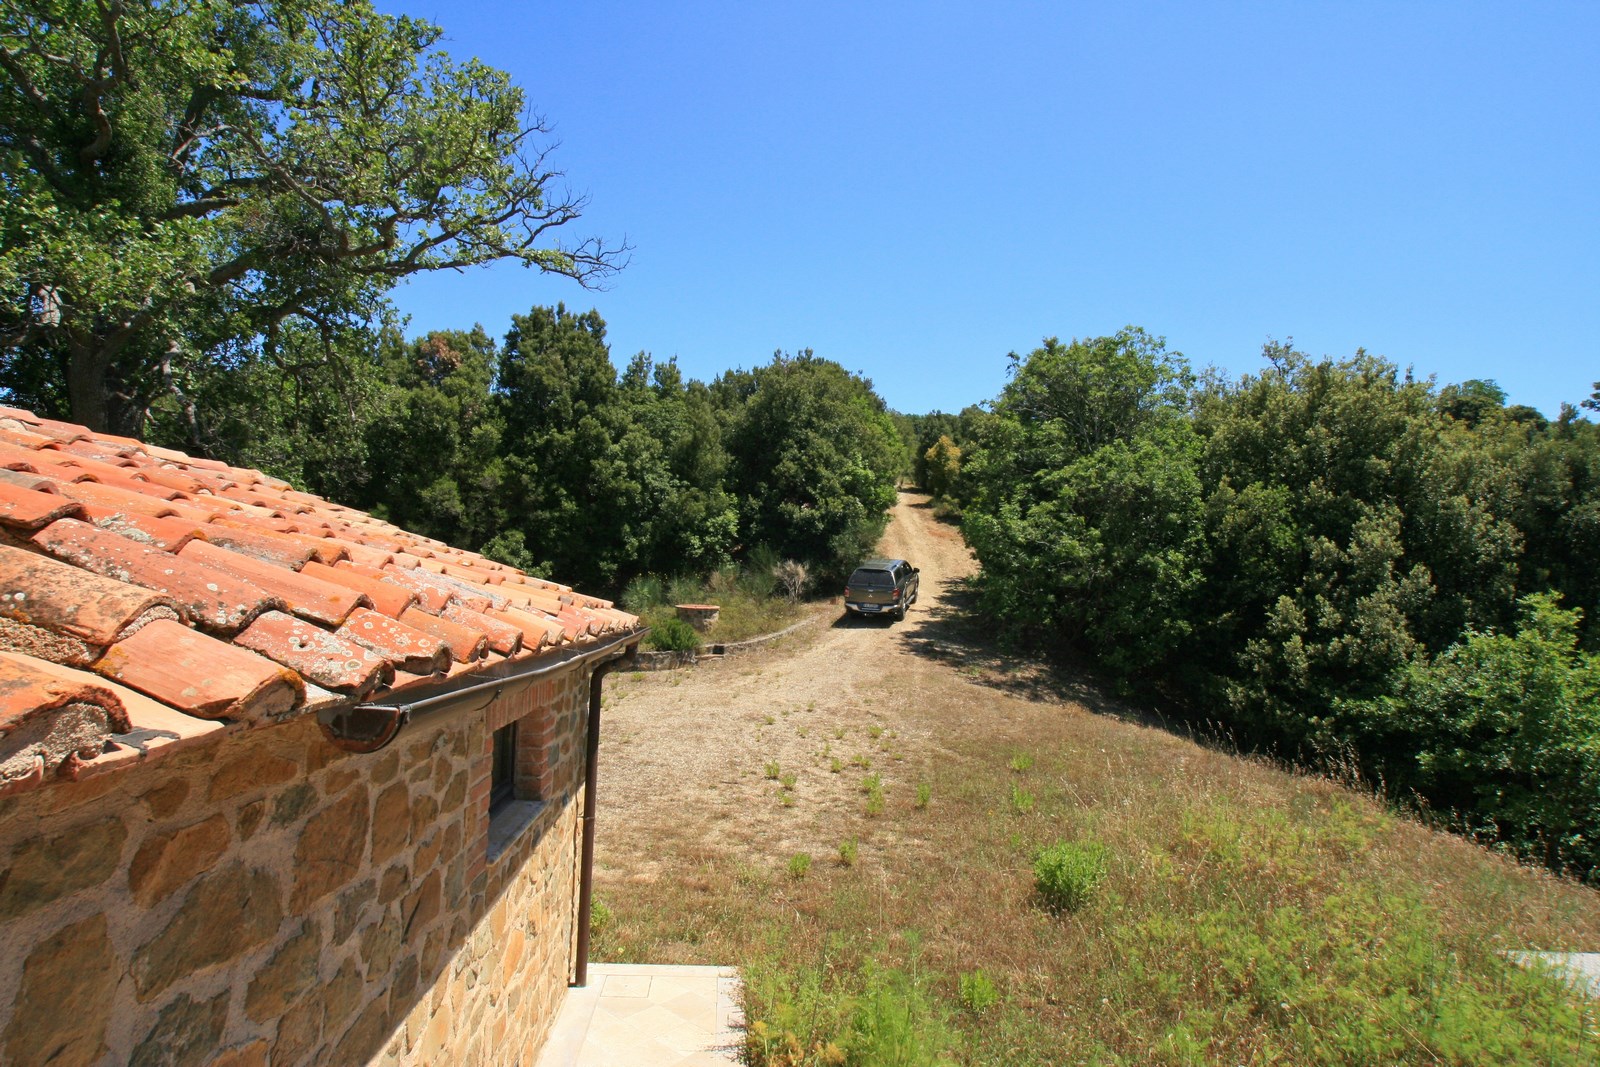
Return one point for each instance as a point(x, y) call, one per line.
point(1247, 912)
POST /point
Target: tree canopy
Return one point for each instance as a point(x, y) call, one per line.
point(184, 180)
point(1329, 557)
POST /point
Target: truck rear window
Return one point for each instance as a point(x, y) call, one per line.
point(871, 580)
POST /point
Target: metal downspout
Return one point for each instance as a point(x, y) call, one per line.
point(591, 777)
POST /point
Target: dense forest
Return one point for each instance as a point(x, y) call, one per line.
point(1329, 559)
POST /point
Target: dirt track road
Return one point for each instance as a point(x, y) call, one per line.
point(693, 762)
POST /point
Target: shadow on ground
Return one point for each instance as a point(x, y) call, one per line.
point(950, 631)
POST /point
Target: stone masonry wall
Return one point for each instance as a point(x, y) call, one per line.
point(270, 899)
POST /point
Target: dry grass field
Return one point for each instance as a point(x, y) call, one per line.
point(853, 817)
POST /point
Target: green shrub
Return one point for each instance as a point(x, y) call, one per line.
point(848, 852)
point(674, 635)
point(1067, 873)
point(978, 993)
point(772, 770)
point(642, 594)
point(686, 591)
point(1021, 799)
point(799, 865)
point(600, 916)
point(924, 794)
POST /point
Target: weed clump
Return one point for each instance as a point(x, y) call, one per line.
point(799, 865)
point(1067, 873)
point(978, 993)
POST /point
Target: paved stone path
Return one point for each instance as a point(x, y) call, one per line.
point(647, 1015)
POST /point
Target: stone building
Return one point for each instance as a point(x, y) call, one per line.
point(279, 782)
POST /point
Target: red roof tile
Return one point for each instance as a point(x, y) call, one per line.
point(504, 638)
point(405, 647)
point(169, 534)
point(29, 509)
point(41, 592)
point(303, 595)
point(211, 598)
point(466, 644)
point(200, 675)
point(326, 659)
point(387, 597)
point(125, 548)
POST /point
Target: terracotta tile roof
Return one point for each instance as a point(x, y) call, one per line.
point(150, 599)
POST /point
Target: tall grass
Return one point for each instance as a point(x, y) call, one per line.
point(751, 602)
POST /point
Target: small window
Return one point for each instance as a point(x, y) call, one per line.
point(516, 767)
point(503, 769)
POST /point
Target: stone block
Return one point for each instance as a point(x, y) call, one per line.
point(44, 870)
point(252, 1054)
point(367, 1035)
point(59, 1015)
point(166, 798)
point(293, 803)
point(331, 849)
point(224, 916)
point(342, 995)
point(291, 972)
point(185, 1034)
point(391, 822)
point(166, 861)
point(250, 773)
point(299, 1031)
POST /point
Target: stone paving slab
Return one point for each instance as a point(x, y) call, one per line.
point(1582, 969)
point(648, 1015)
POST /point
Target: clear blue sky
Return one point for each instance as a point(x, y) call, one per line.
point(915, 190)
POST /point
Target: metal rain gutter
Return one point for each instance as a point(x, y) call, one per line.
point(373, 725)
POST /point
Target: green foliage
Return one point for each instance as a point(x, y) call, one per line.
point(813, 456)
point(820, 1016)
point(924, 795)
point(942, 463)
point(1359, 979)
point(600, 916)
point(1320, 554)
point(1067, 873)
point(1084, 499)
point(977, 991)
point(182, 180)
point(643, 593)
point(1022, 800)
point(799, 865)
point(1505, 728)
point(849, 852)
point(673, 635)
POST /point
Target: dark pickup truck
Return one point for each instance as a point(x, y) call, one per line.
point(882, 587)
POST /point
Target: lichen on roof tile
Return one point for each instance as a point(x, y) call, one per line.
point(321, 657)
point(209, 597)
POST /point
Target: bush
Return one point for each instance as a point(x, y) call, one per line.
point(1067, 873)
point(686, 591)
point(674, 635)
point(799, 865)
point(642, 594)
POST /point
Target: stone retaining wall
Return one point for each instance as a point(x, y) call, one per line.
point(269, 898)
point(667, 661)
